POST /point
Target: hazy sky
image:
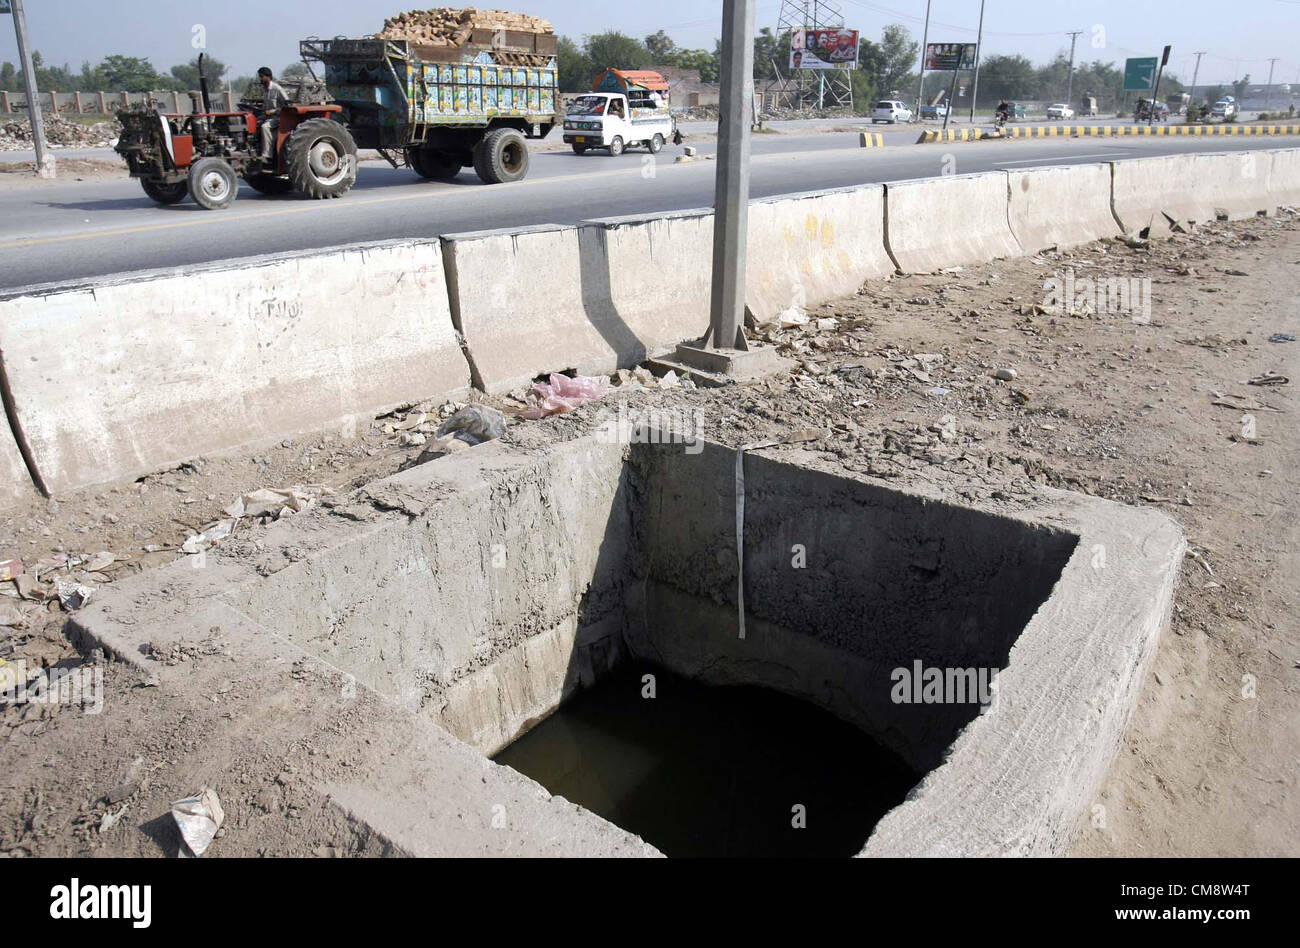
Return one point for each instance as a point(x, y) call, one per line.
point(1237, 37)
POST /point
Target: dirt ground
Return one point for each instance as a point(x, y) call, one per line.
point(1154, 410)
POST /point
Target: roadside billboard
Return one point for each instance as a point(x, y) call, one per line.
point(947, 57)
point(823, 49)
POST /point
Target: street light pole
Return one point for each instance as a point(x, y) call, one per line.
point(1268, 89)
point(1069, 85)
point(731, 196)
point(979, 51)
point(920, 82)
point(44, 161)
point(1195, 73)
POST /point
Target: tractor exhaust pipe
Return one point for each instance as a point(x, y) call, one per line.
point(203, 88)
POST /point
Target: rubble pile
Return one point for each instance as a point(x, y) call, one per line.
point(16, 134)
point(445, 26)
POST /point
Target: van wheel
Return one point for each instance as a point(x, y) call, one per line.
point(616, 147)
point(656, 144)
point(579, 149)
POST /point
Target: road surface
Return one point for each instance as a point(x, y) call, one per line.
point(53, 232)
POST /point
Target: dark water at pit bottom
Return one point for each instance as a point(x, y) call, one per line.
point(714, 771)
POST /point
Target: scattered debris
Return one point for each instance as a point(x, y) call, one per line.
point(277, 502)
point(198, 818)
point(72, 594)
point(1269, 378)
point(1281, 337)
point(563, 394)
point(474, 424)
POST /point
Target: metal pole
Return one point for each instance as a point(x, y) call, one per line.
point(1268, 89)
point(1069, 85)
point(979, 49)
point(44, 161)
point(920, 82)
point(1195, 73)
point(731, 194)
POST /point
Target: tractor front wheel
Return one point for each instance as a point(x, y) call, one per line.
point(321, 158)
point(165, 193)
point(500, 156)
point(212, 183)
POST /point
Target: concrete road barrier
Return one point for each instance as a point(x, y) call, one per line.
point(15, 482)
point(1236, 185)
point(131, 374)
point(1284, 177)
point(1061, 206)
point(536, 300)
point(948, 221)
point(1151, 193)
point(807, 248)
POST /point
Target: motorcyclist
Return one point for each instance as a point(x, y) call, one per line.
point(1003, 111)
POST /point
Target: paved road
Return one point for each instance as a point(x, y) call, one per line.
point(72, 230)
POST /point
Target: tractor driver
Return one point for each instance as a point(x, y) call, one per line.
point(274, 100)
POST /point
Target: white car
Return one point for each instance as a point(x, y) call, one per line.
point(1060, 111)
point(891, 111)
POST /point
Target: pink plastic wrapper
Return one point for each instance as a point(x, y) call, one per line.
point(563, 394)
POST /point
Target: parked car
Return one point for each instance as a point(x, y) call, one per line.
point(891, 111)
point(934, 111)
point(1060, 111)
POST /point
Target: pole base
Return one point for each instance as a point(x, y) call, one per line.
point(723, 366)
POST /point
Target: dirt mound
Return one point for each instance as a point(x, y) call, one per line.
point(445, 26)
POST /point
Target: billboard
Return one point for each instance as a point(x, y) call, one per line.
point(947, 57)
point(823, 49)
point(1140, 74)
point(4, 7)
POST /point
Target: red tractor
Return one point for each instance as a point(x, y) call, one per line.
point(204, 154)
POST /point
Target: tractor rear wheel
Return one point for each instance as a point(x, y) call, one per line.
point(165, 193)
point(432, 164)
point(212, 183)
point(269, 183)
point(501, 156)
point(321, 158)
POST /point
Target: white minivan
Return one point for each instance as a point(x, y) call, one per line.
point(891, 111)
point(610, 120)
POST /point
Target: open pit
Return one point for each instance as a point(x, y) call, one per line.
point(478, 594)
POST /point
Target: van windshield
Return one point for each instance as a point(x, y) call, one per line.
point(588, 105)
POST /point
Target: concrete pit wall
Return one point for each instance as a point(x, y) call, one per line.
point(473, 594)
point(123, 376)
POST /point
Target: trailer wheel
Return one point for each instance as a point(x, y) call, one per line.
point(579, 149)
point(434, 165)
point(321, 158)
point(212, 183)
point(165, 193)
point(616, 147)
point(501, 156)
point(656, 144)
point(268, 183)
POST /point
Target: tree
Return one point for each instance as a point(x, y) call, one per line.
point(1240, 86)
point(614, 49)
point(1007, 77)
point(129, 74)
point(574, 69)
point(187, 75)
point(295, 72)
point(896, 58)
point(662, 49)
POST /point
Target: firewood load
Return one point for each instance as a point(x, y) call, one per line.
point(443, 26)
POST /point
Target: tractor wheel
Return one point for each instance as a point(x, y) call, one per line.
point(500, 156)
point(656, 144)
point(579, 149)
point(432, 164)
point(321, 158)
point(616, 147)
point(268, 183)
point(212, 183)
point(165, 193)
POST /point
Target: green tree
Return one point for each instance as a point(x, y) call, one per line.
point(1240, 86)
point(187, 75)
point(574, 68)
point(129, 74)
point(1007, 77)
point(615, 49)
point(662, 49)
point(896, 58)
point(295, 72)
